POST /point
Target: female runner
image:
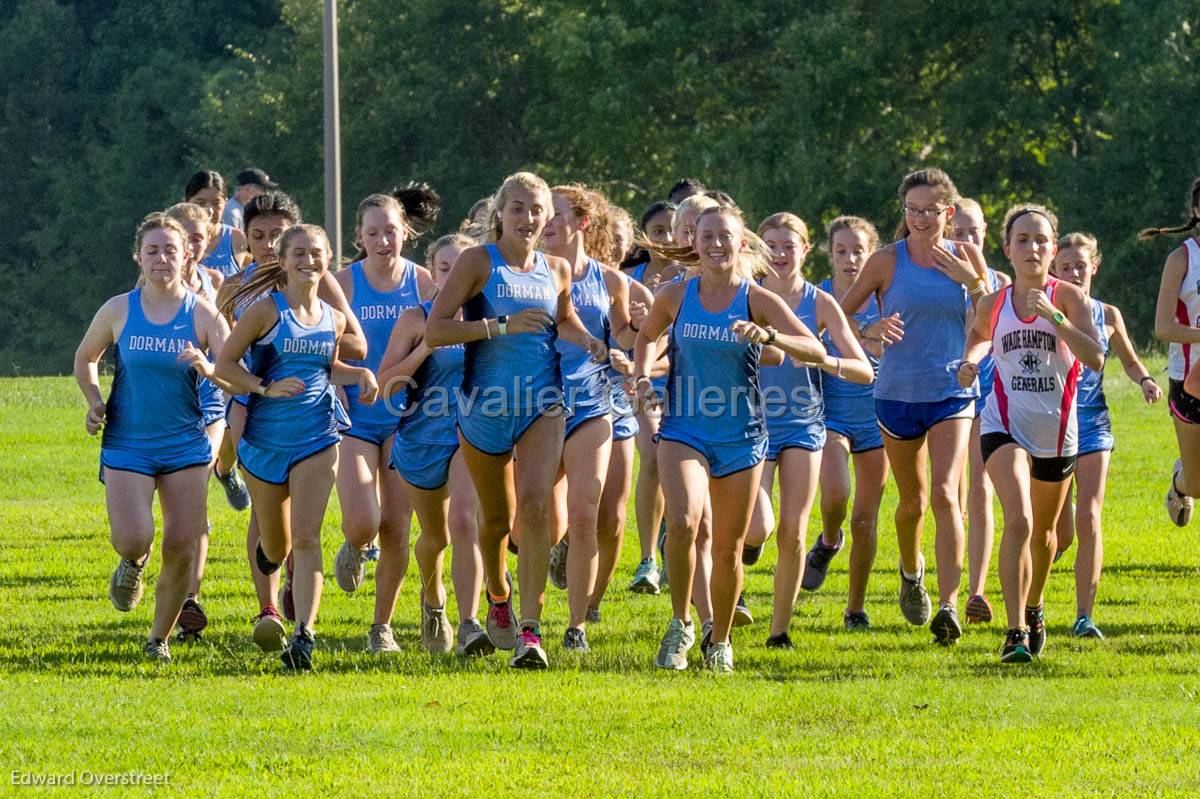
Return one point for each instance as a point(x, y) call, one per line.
point(226, 250)
point(380, 285)
point(154, 438)
point(851, 432)
point(1077, 262)
point(926, 286)
point(579, 233)
point(1177, 321)
point(293, 418)
point(718, 322)
point(515, 302)
point(1040, 330)
point(426, 456)
point(791, 395)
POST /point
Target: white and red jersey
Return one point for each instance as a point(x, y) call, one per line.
point(1037, 377)
point(1182, 357)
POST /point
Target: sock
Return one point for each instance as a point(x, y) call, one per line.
point(920, 570)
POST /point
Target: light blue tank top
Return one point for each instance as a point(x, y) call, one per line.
point(917, 368)
point(520, 370)
point(288, 424)
point(155, 399)
point(584, 379)
point(222, 258)
point(713, 389)
point(1090, 397)
point(431, 411)
point(791, 394)
point(837, 387)
point(377, 312)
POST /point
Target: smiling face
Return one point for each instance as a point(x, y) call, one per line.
point(262, 236)
point(1031, 245)
point(719, 239)
point(161, 256)
point(382, 233)
point(305, 258)
point(926, 212)
point(967, 225)
point(524, 215)
point(1076, 265)
point(787, 250)
point(211, 200)
point(848, 250)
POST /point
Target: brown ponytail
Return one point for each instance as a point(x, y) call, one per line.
point(1194, 222)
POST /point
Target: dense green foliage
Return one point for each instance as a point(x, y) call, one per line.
point(879, 714)
point(817, 107)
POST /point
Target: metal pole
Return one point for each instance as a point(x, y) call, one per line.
point(333, 145)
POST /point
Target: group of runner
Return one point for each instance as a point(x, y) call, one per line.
point(499, 391)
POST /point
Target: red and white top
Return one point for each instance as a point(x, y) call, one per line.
point(1182, 357)
point(1037, 376)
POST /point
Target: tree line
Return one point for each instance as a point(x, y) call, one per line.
point(816, 107)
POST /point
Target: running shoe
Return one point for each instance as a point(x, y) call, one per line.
point(979, 610)
point(816, 565)
point(663, 578)
point(157, 649)
point(558, 564)
point(1179, 507)
point(672, 652)
point(125, 587)
point(1016, 647)
point(1035, 620)
point(645, 578)
point(593, 616)
point(945, 626)
point(742, 617)
point(914, 600)
point(473, 640)
point(436, 637)
point(719, 659)
point(192, 620)
point(857, 621)
point(372, 552)
point(298, 654)
point(287, 599)
point(705, 637)
point(269, 632)
point(781, 641)
point(236, 493)
point(575, 640)
point(380, 640)
point(750, 555)
point(1085, 628)
point(529, 653)
point(501, 626)
point(350, 567)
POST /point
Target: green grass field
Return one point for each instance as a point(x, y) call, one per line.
point(885, 713)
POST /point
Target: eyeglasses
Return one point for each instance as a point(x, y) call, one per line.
point(924, 213)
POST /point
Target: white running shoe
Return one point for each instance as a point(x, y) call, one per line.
point(125, 586)
point(381, 641)
point(719, 659)
point(672, 654)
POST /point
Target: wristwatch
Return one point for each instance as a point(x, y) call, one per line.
point(1058, 318)
point(502, 324)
